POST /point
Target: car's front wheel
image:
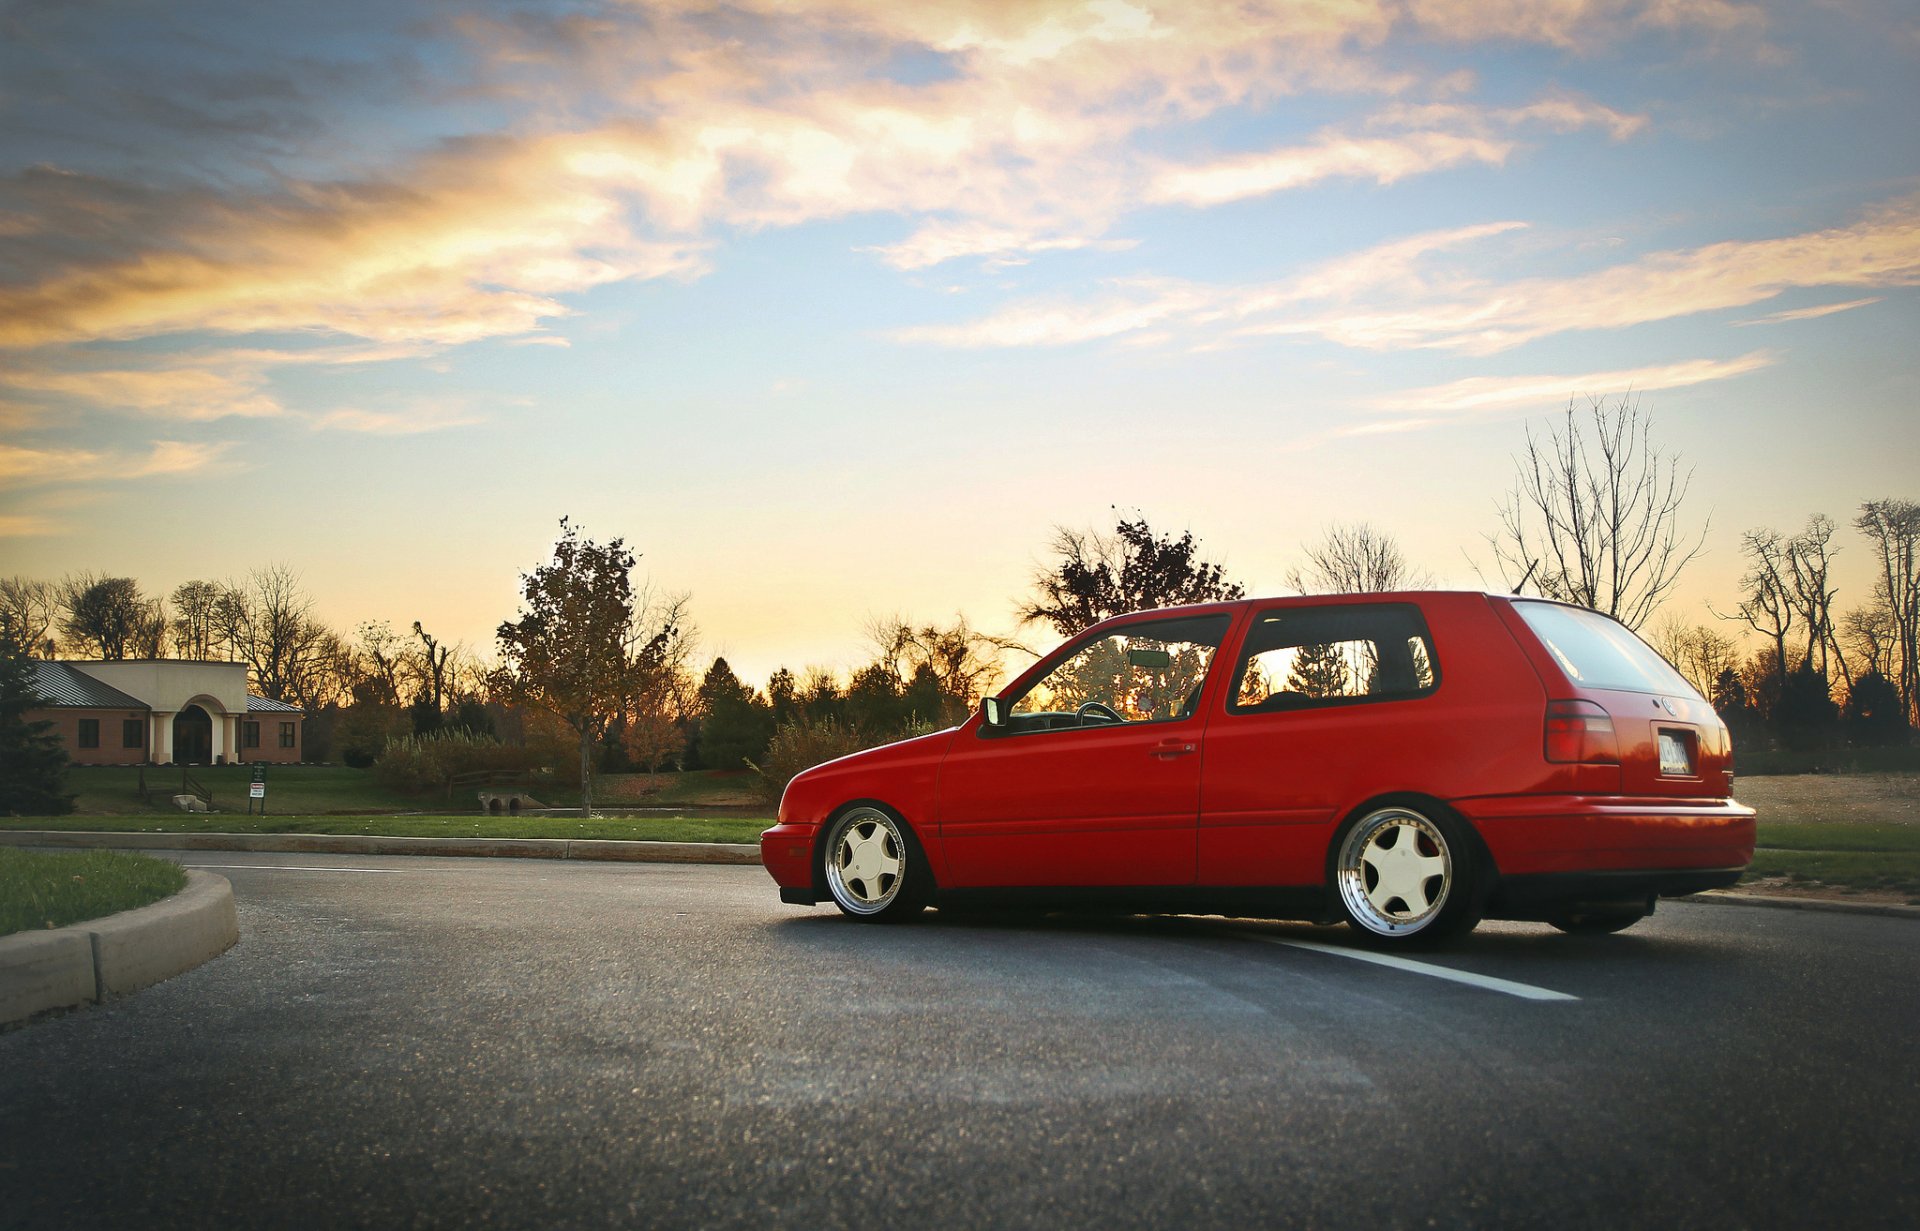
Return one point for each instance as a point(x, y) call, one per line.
point(873, 866)
point(1406, 876)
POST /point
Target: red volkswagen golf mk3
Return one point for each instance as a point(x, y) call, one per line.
point(1411, 763)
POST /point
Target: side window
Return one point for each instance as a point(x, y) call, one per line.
point(1150, 672)
point(1295, 658)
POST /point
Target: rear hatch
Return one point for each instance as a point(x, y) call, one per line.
point(1667, 738)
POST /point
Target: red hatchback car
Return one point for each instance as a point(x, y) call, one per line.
point(1410, 763)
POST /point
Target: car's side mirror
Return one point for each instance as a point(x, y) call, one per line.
point(993, 712)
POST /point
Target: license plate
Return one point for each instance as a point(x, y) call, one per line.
point(1674, 761)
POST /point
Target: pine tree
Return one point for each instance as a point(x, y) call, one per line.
point(33, 761)
point(1319, 671)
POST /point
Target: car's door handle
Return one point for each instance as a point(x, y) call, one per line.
point(1174, 748)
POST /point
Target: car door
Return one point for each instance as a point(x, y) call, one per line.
point(1326, 704)
point(1095, 778)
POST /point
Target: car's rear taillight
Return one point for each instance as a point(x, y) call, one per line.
point(1580, 733)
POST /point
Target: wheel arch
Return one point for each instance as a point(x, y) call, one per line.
point(1489, 870)
point(820, 835)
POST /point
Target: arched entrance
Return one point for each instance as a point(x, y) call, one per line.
point(193, 737)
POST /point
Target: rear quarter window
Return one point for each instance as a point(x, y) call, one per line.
point(1299, 657)
point(1599, 652)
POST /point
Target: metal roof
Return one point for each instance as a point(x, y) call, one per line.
point(267, 705)
point(63, 685)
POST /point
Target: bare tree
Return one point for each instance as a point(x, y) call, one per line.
point(267, 622)
point(964, 663)
point(1766, 601)
point(433, 664)
point(381, 662)
point(1699, 652)
point(31, 609)
point(196, 605)
point(1809, 561)
point(1870, 632)
point(1893, 526)
point(1593, 517)
point(1356, 559)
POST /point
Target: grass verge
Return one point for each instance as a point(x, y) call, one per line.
point(53, 890)
point(632, 829)
point(1848, 858)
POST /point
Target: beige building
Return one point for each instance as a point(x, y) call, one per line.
point(165, 712)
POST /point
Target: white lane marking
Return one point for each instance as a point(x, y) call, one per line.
point(1525, 991)
point(287, 867)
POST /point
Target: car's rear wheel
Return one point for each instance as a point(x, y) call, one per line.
point(1407, 876)
point(873, 866)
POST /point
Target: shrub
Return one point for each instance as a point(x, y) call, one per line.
point(426, 762)
point(803, 744)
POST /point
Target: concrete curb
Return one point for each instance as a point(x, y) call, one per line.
point(1726, 897)
point(369, 844)
point(101, 958)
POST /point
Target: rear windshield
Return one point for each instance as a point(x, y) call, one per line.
point(1599, 652)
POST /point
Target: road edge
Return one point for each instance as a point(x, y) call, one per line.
point(1727, 897)
point(94, 961)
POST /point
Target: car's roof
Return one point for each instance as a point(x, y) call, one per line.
point(1305, 600)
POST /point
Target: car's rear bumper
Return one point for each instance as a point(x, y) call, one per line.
point(1540, 835)
point(786, 851)
point(1545, 895)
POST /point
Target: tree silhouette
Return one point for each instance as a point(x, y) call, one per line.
point(577, 650)
point(1593, 517)
point(1134, 568)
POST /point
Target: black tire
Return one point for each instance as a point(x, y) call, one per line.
point(873, 866)
point(1406, 875)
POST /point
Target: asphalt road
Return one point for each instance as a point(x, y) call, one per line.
point(450, 1043)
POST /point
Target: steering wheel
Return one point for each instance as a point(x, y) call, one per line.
point(1096, 709)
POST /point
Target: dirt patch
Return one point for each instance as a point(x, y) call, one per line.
point(1845, 799)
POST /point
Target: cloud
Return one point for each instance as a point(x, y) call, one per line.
point(1404, 294)
point(1808, 314)
point(65, 465)
point(474, 243)
point(639, 132)
point(186, 393)
point(941, 241)
point(1435, 137)
point(414, 421)
point(1130, 307)
point(1140, 304)
point(26, 525)
point(1497, 393)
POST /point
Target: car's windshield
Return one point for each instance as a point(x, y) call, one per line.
point(1148, 672)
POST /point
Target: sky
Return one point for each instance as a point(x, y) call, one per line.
point(834, 309)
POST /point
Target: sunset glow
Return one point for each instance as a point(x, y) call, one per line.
point(834, 308)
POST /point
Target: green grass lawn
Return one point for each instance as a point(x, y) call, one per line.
point(53, 890)
point(633, 829)
point(1845, 857)
point(313, 790)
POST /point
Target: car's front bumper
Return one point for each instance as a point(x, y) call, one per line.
point(786, 851)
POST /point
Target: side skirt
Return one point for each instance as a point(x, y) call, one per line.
point(1308, 902)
